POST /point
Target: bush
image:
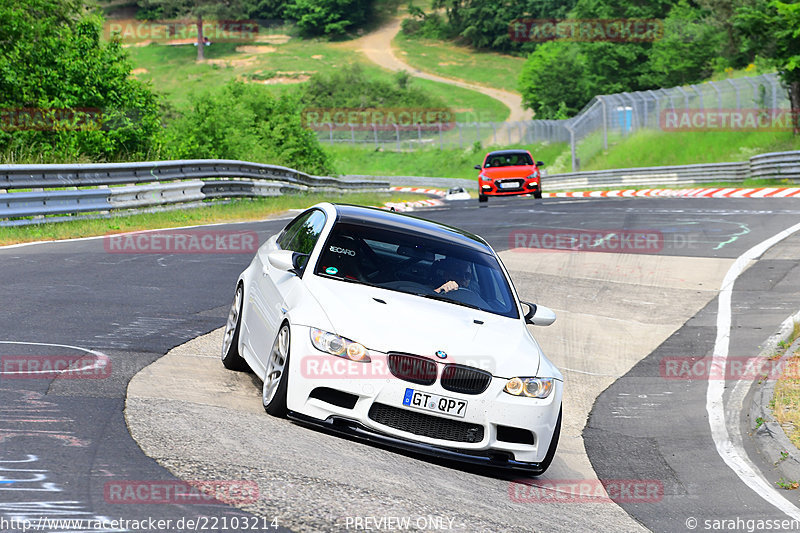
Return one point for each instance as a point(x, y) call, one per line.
point(329, 17)
point(76, 92)
point(245, 122)
point(351, 88)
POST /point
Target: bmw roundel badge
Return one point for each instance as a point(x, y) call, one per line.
point(441, 355)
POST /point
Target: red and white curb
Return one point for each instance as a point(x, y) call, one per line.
point(410, 206)
point(712, 192)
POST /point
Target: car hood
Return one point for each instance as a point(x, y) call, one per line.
point(417, 325)
point(521, 171)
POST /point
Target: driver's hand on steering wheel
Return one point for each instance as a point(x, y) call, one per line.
point(447, 287)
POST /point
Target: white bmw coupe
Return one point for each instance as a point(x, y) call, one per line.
point(397, 330)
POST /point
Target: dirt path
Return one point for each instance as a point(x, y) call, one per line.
point(377, 46)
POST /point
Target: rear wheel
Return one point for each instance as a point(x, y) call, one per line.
point(276, 379)
point(231, 359)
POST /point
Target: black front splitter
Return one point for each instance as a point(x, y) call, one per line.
point(355, 429)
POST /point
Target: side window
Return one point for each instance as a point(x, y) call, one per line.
point(291, 230)
point(308, 230)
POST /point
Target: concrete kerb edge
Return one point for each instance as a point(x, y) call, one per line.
point(770, 439)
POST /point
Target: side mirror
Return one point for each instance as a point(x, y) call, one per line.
point(288, 260)
point(540, 163)
point(281, 259)
point(539, 315)
point(477, 167)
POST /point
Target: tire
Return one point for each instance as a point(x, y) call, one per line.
point(276, 378)
point(537, 195)
point(551, 451)
point(482, 198)
point(231, 359)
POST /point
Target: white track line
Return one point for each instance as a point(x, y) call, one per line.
point(96, 365)
point(734, 455)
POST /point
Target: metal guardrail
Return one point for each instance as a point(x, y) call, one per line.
point(77, 189)
point(650, 176)
point(778, 166)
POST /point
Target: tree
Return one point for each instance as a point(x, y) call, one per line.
point(687, 51)
point(77, 90)
point(775, 27)
point(329, 17)
point(199, 10)
point(552, 81)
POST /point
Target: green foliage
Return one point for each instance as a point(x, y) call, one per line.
point(245, 122)
point(352, 88)
point(485, 23)
point(329, 17)
point(52, 60)
point(687, 51)
point(775, 30)
point(552, 82)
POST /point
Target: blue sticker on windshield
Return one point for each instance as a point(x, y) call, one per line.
point(331, 270)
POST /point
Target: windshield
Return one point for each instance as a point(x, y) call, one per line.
point(508, 160)
point(418, 264)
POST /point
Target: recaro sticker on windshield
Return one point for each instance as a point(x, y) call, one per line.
point(331, 270)
point(337, 250)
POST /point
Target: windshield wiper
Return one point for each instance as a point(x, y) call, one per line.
point(448, 300)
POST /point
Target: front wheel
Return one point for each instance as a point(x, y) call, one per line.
point(276, 378)
point(231, 358)
point(537, 195)
point(482, 198)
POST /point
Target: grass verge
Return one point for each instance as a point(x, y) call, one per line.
point(234, 211)
point(448, 60)
point(650, 148)
point(786, 399)
point(440, 163)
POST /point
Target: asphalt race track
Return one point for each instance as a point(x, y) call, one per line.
point(66, 445)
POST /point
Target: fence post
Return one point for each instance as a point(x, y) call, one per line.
point(605, 121)
point(700, 94)
point(736, 89)
point(330, 132)
point(719, 95)
point(685, 98)
point(375, 133)
point(441, 142)
point(460, 137)
point(397, 136)
point(572, 148)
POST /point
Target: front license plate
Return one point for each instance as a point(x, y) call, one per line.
point(426, 401)
point(509, 185)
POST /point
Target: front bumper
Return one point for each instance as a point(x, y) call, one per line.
point(357, 430)
point(492, 410)
point(494, 188)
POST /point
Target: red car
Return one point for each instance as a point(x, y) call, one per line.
point(509, 173)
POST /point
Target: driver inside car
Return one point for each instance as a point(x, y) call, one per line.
point(452, 274)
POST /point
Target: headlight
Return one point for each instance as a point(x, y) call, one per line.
point(483, 177)
point(530, 387)
point(333, 344)
point(533, 176)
